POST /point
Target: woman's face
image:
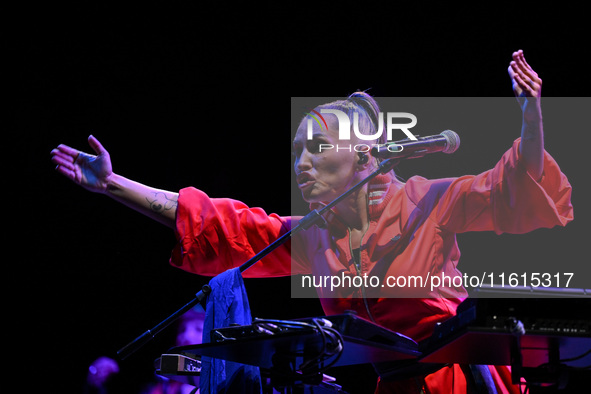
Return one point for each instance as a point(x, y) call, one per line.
point(324, 173)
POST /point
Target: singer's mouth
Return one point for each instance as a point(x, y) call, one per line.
point(304, 180)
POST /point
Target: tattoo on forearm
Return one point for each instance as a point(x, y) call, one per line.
point(161, 203)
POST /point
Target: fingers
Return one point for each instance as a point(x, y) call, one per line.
point(65, 151)
point(63, 155)
point(96, 145)
point(522, 68)
point(528, 86)
point(519, 58)
point(66, 157)
point(66, 170)
point(525, 80)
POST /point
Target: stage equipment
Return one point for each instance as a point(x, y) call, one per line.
point(543, 339)
point(295, 353)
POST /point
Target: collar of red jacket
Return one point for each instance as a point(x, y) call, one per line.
point(377, 199)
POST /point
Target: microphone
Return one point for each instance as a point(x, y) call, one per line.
point(446, 142)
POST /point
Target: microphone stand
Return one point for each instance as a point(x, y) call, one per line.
point(306, 222)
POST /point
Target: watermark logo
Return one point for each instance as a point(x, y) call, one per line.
point(316, 117)
point(344, 124)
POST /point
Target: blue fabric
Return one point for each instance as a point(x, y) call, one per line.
point(227, 304)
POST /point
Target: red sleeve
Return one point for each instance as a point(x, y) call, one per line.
point(215, 235)
point(505, 199)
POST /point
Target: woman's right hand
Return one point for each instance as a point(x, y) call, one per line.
point(89, 171)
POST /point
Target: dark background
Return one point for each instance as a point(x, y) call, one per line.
point(198, 96)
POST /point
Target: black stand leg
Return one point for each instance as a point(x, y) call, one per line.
point(147, 336)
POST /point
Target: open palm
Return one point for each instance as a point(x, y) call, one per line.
point(89, 171)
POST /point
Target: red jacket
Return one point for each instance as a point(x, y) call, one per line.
point(412, 232)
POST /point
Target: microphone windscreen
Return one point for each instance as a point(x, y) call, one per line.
point(453, 141)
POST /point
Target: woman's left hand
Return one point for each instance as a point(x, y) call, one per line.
point(527, 86)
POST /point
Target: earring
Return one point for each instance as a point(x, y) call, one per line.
point(363, 159)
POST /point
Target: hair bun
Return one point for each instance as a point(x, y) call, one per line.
point(368, 103)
